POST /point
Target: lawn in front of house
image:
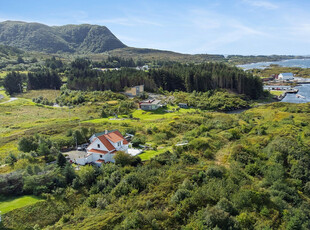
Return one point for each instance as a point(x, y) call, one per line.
point(8, 204)
point(148, 154)
point(276, 92)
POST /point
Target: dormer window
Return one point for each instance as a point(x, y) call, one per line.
point(119, 144)
point(98, 146)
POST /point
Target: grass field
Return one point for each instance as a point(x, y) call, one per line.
point(25, 118)
point(46, 93)
point(11, 203)
point(4, 73)
point(276, 92)
point(147, 155)
point(5, 97)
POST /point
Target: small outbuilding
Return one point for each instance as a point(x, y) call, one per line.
point(150, 104)
point(286, 76)
point(135, 91)
point(183, 105)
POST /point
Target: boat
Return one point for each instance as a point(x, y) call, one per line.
point(300, 96)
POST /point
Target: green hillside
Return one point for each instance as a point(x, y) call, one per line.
point(69, 38)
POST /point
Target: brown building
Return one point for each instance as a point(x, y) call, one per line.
point(135, 90)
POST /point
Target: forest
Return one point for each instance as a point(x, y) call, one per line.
point(80, 75)
point(175, 77)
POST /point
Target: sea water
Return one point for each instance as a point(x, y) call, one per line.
point(304, 89)
point(302, 63)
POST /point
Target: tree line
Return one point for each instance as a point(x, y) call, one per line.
point(44, 79)
point(175, 77)
point(171, 77)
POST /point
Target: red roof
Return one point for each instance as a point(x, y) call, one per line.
point(97, 151)
point(125, 142)
point(106, 143)
point(114, 137)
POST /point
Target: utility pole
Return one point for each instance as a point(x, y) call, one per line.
point(76, 145)
point(21, 88)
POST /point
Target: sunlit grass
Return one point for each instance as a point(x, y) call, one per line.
point(50, 94)
point(5, 97)
point(8, 204)
point(147, 155)
point(276, 92)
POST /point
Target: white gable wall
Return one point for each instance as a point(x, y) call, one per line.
point(122, 147)
point(108, 157)
point(94, 145)
point(92, 138)
point(115, 144)
point(286, 76)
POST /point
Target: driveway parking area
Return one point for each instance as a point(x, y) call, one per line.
point(75, 154)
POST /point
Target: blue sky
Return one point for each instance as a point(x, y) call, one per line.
point(196, 26)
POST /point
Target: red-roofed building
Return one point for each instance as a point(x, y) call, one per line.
point(103, 147)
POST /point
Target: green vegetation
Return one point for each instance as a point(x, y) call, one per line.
point(8, 204)
point(200, 169)
point(242, 171)
point(3, 96)
point(276, 69)
point(229, 167)
point(13, 83)
point(69, 38)
point(276, 92)
point(176, 77)
point(240, 59)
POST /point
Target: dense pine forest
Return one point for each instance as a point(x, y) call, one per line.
point(202, 77)
point(81, 75)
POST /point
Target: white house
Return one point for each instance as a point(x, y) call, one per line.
point(103, 147)
point(286, 76)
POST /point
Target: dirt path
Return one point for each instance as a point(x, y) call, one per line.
point(11, 99)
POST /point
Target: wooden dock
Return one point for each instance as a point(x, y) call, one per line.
point(292, 91)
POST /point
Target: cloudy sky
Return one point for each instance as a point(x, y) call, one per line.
point(187, 26)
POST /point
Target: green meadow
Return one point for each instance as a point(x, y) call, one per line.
point(23, 117)
point(242, 168)
point(8, 204)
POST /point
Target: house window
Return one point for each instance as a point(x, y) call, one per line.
point(100, 156)
point(98, 145)
point(119, 144)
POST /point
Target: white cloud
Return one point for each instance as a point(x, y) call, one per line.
point(264, 4)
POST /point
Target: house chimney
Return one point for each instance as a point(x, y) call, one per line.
point(106, 131)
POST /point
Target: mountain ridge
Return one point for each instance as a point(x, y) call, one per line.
point(33, 36)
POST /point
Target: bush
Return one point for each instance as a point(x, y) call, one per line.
point(189, 159)
point(180, 195)
point(102, 203)
point(138, 140)
point(214, 172)
point(121, 158)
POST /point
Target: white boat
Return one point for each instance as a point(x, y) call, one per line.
point(300, 96)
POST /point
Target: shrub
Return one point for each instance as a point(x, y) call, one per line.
point(180, 195)
point(138, 140)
